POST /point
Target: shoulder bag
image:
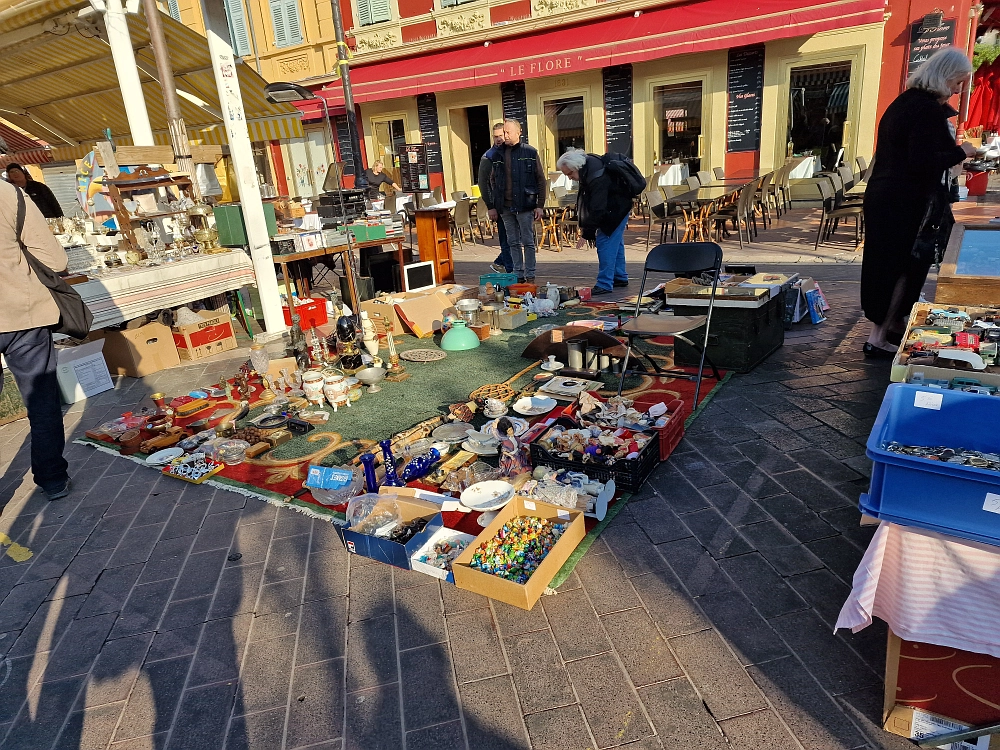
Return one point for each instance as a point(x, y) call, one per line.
point(935, 228)
point(75, 318)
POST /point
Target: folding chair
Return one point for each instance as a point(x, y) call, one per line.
point(684, 258)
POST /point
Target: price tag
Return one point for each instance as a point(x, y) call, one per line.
point(927, 400)
point(449, 505)
point(563, 513)
point(992, 503)
point(528, 505)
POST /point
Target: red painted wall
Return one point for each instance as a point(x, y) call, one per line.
point(412, 8)
point(280, 183)
point(347, 11)
point(416, 32)
point(741, 163)
point(510, 12)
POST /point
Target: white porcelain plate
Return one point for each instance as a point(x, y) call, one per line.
point(161, 458)
point(533, 405)
point(491, 495)
point(520, 427)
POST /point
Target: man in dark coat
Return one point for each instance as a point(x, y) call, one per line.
point(503, 263)
point(602, 206)
point(39, 192)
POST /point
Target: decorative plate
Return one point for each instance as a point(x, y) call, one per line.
point(423, 355)
point(452, 433)
point(491, 495)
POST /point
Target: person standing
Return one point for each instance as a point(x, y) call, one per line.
point(603, 206)
point(909, 180)
point(518, 189)
point(39, 192)
point(25, 336)
point(504, 263)
point(377, 177)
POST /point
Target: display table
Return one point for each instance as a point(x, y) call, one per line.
point(124, 295)
point(970, 272)
point(929, 588)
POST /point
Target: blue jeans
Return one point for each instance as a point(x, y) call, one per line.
point(521, 240)
point(611, 257)
point(32, 359)
point(504, 258)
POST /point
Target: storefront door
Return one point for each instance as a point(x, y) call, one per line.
point(389, 135)
point(564, 129)
point(677, 110)
point(817, 110)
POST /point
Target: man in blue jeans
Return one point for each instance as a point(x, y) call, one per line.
point(26, 315)
point(603, 206)
point(517, 191)
point(504, 263)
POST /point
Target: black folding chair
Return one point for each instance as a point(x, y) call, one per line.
point(682, 258)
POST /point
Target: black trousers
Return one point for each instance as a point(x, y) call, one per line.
point(32, 360)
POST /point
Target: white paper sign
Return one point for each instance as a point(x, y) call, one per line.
point(925, 725)
point(528, 505)
point(563, 513)
point(449, 505)
point(928, 400)
point(992, 503)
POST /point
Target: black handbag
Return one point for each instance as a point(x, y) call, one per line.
point(935, 228)
point(75, 318)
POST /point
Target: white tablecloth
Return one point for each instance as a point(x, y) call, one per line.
point(929, 588)
point(806, 168)
point(673, 174)
point(122, 296)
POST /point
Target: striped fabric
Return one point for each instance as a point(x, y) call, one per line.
point(929, 588)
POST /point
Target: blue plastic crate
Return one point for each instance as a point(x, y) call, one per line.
point(952, 499)
point(503, 280)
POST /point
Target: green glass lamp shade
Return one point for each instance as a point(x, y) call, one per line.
point(459, 338)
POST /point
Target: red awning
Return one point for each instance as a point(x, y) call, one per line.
point(312, 111)
point(22, 149)
point(673, 30)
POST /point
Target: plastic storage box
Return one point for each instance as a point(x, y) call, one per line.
point(952, 499)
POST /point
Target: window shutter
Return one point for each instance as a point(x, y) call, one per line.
point(278, 21)
point(380, 11)
point(174, 10)
point(285, 18)
point(293, 27)
point(237, 27)
point(364, 13)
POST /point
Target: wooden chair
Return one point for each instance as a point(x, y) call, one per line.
point(704, 176)
point(832, 215)
point(461, 221)
point(569, 225)
point(695, 221)
point(719, 172)
point(658, 215)
point(677, 259)
point(547, 231)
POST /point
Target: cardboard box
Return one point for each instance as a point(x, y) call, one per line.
point(212, 336)
point(82, 372)
point(424, 314)
point(388, 551)
point(523, 596)
point(439, 532)
point(140, 351)
point(511, 319)
point(935, 689)
point(379, 308)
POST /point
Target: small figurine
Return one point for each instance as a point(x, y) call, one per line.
point(512, 458)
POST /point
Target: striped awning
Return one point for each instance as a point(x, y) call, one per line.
point(21, 149)
point(64, 89)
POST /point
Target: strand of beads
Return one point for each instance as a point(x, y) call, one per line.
point(518, 548)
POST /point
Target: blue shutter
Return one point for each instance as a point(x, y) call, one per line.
point(174, 10)
point(285, 18)
point(237, 27)
point(364, 13)
point(380, 11)
point(293, 26)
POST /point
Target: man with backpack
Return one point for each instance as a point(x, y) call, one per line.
point(607, 186)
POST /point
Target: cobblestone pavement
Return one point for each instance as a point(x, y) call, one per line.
point(702, 618)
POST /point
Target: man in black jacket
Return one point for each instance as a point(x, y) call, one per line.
point(602, 206)
point(504, 263)
point(39, 192)
point(518, 189)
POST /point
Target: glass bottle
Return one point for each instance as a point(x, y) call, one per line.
point(389, 461)
point(371, 482)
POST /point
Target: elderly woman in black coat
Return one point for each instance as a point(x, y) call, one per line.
point(910, 172)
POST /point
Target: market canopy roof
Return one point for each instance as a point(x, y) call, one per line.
point(58, 81)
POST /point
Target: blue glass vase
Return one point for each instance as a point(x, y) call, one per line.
point(420, 465)
point(389, 461)
point(371, 482)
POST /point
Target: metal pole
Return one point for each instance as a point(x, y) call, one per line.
point(172, 105)
point(345, 78)
point(220, 49)
point(116, 25)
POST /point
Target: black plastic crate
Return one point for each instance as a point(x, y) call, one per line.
point(629, 475)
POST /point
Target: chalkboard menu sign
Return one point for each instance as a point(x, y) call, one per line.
point(515, 105)
point(344, 144)
point(746, 92)
point(924, 42)
point(618, 109)
point(413, 167)
point(427, 115)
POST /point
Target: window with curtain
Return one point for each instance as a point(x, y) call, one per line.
point(285, 17)
point(237, 27)
point(373, 11)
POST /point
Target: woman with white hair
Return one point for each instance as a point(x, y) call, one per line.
point(602, 208)
point(908, 193)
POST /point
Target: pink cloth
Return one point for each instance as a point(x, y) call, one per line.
point(929, 588)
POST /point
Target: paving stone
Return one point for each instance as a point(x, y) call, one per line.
point(186, 613)
point(237, 591)
point(789, 561)
point(513, 620)
point(329, 575)
point(460, 600)
point(173, 643)
point(252, 542)
point(200, 575)
point(155, 510)
point(574, 624)
point(835, 443)
point(111, 590)
point(274, 625)
point(371, 653)
point(716, 534)
point(371, 592)
point(217, 531)
point(90, 729)
point(834, 665)
point(769, 594)
point(694, 567)
point(608, 588)
point(757, 731)
point(737, 507)
point(558, 729)
point(697, 470)
point(420, 616)
point(672, 609)
point(815, 719)
point(136, 546)
point(316, 711)
point(184, 521)
point(220, 651)
point(778, 435)
point(167, 559)
point(280, 597)
point(747, 633)
point(715, 446)
point(475, 646)
point(680, 717)
point(657, 520)
point(838, 554)
point(79, 646)
point(224, 502)
point(287, 559)
point(54, 561)
point(322, 631)
point(823, 591)
point(719, 677)
point(815, 493)
point(46, 626)
point(81, 575)
point(679, 493)
point(401, 579)
point(262, 729)
point(612, 708)
point(116, 670)
point(82, 521)
point(641, 648)
point(843, 422)
point(538, 673)
point(753, 481)
point(442, 737)
point(14, 689)
point(373, 720)
point(202, 717)
point(267, 673)
point(794, 515)
point(20, 604)
point(492, 717)
point(39, 728)
point(634, 551)
point(153, 702)
point(290, 523)
point(428, 686)
point(109, 532)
